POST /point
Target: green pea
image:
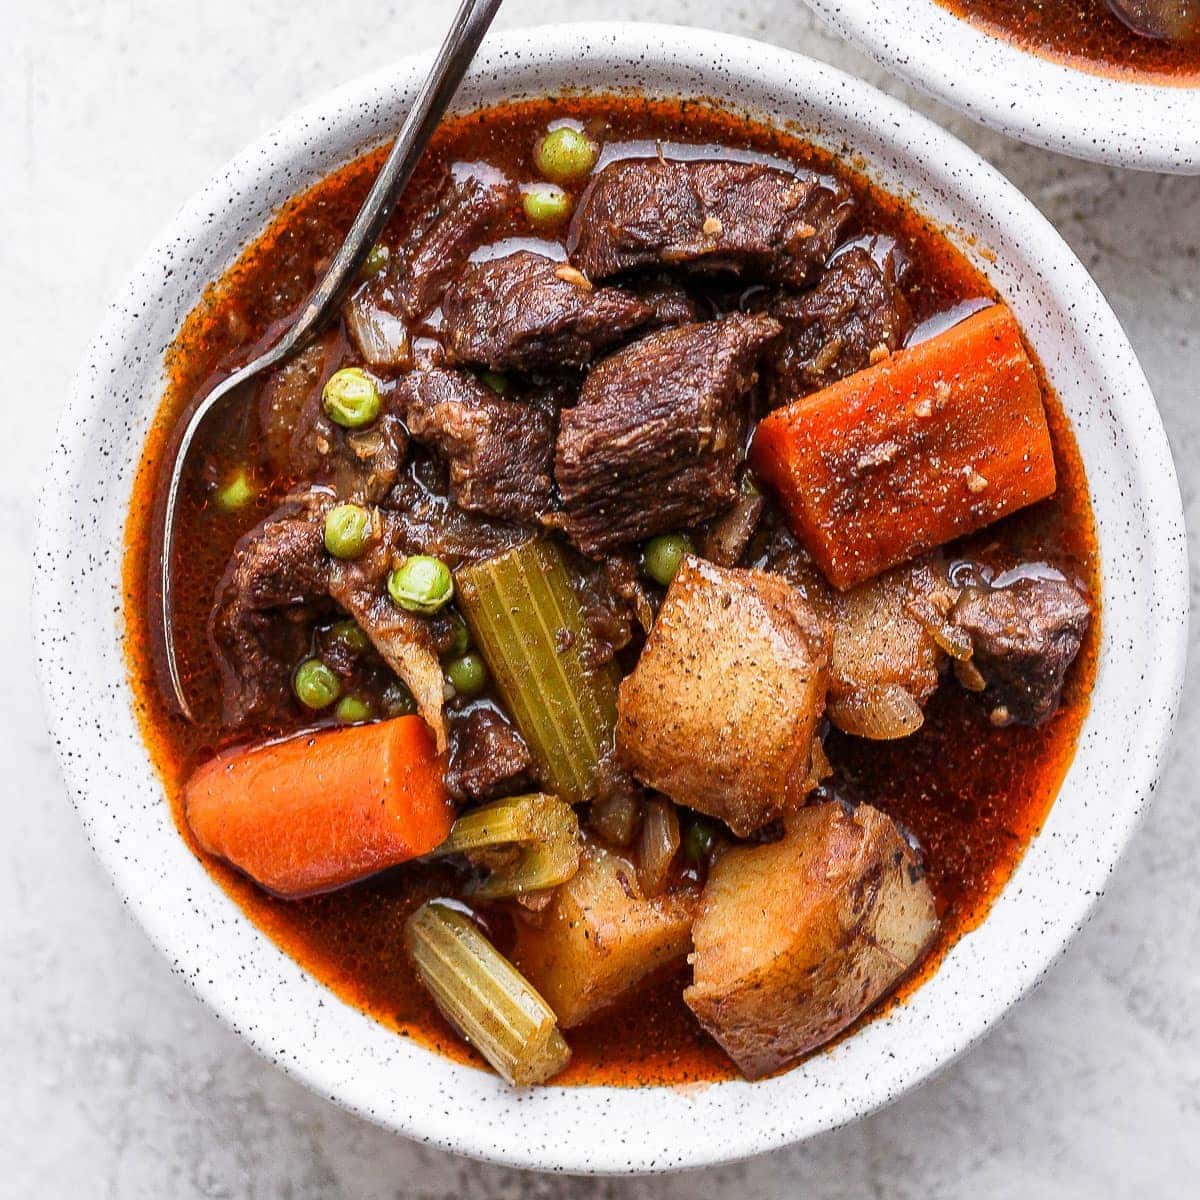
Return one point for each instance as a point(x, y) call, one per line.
point(348, 635)
point(545, 204)
point(398, 700)
point(347, 529)
point(565, 155)
point(699, 840)
point(315, 685)
point(460, 636)
point(421, 584)
point(236, 492)
point(662, 555)
point(353, 710)
point(468, 674)
point(376, 260)
point(351, 398)
point(498, 383)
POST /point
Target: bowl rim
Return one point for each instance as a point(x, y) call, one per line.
point(751, 1122)
point(1098, 117)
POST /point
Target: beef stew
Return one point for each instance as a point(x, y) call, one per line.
point(1156, 40)
point(510, 567)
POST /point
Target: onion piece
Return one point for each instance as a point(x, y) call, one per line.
point(615, 817)
point(880, 713)
point(379, 336)
point(657, 846)
point(484, 996)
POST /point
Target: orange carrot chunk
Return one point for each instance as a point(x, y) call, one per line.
point(934, 442)
point(322, 810)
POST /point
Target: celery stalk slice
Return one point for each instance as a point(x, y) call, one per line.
point(527, 621)
point(480, 992)
point(543, 831)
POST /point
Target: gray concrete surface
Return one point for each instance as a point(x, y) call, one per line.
point(116, 1082)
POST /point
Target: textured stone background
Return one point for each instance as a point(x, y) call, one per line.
point(116, 1082)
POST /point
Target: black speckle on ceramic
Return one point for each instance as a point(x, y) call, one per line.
point(1147, 126)
point(340, 1052)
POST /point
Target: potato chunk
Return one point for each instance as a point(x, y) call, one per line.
point(796, 939)
point(721, 710)
point(600, 938)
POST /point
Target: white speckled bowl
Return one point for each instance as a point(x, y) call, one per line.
point(1152, 127)
point(340, 1052)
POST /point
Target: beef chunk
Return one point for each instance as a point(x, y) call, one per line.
point(500, 451)
point(406, 642)
point(853, 317)
point(438, 248)
point(709, 216)
point(426, 523)
point(1025, 636)
point(528, 312)
point(670, 303)
point(301, 442)
point(656, 438)
point(274, 584)
point(486, 752)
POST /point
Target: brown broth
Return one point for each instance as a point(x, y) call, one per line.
point(973, 795)
point(1085, 34)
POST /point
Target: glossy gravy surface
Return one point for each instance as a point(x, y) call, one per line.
point(973, 795)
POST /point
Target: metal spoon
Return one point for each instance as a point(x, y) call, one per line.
point(466, 32)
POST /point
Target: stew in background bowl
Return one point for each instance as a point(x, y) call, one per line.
point(1069, 77)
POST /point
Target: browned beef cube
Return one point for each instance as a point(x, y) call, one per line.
point(276, 579)
point(528, 312)
point(655, 440)
point(438, 248)
point(1025, 636)
point(486, 753)
point(854, 317)
point(500, 451)
point(708, 215)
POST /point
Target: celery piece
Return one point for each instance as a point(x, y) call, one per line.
point(542, 829)
point(526, 619)
point(480, 992)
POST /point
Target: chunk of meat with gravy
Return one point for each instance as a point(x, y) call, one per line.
point(437, 249)
point(722, 709)
point(274, 583)
point(1025, 636)
point(487, 756)
point(855, 316)
point(526, 312)
point(500, 451)
point(707, 216)
point(796, 939)
point(655, 441)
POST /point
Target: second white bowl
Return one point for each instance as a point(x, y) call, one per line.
point(1152, 127)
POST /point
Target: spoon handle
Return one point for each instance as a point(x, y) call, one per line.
point(458, 49)
point(470, 23)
